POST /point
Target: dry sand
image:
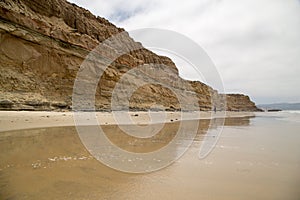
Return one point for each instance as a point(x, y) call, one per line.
point(16, 120)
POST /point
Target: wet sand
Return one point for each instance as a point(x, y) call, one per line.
point(255, 158)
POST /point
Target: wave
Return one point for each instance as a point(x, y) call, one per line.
point(292, 111)
point(289, 115)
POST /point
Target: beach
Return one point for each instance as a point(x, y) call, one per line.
point(16, 120)
point(154, 100)
point(254, 158)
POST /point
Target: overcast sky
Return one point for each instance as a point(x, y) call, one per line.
point(255, 44)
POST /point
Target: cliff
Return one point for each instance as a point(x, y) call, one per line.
point(240, 102)
point(43, 43)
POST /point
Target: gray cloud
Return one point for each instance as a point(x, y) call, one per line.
point(254, 43)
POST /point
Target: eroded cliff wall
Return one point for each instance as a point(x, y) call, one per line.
point(44, 42)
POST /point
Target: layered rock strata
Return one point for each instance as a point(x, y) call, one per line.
point(43, 43)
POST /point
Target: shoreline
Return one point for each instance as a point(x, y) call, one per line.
point(18, 120)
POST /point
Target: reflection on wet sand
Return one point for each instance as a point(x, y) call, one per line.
point(52, 163)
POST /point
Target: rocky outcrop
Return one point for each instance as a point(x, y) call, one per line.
point(240, 102)
point(43, 44)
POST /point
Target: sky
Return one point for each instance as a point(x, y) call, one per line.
point(254, 44)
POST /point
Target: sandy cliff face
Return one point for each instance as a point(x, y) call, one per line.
point(44, 42)
point(240, 102)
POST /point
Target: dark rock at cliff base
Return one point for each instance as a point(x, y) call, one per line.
point(274, 110)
